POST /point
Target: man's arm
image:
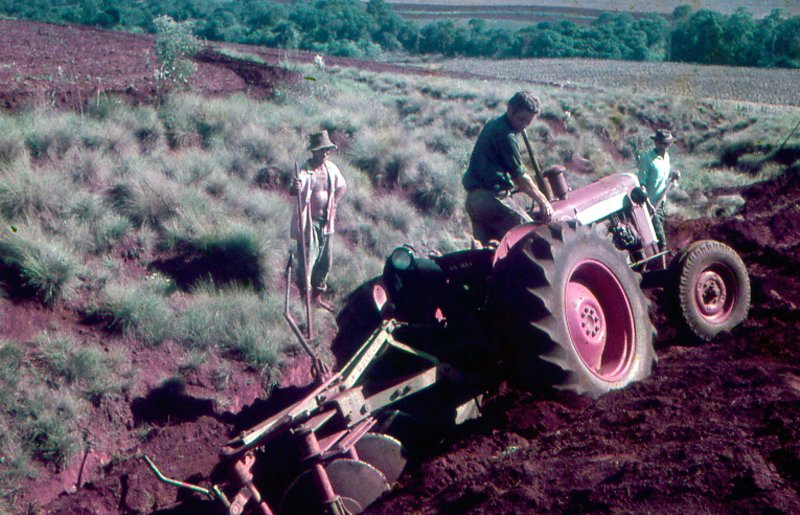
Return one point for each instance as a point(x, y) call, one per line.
point(526, 184)
point(338, 183)
point(340, 191)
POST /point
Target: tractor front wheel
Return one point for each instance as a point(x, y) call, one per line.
point(712, 288)
point(570, 313)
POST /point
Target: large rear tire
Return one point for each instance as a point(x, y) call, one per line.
point(712, 288)
point(569, 313)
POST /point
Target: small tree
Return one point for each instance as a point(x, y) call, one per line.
point(175, 43)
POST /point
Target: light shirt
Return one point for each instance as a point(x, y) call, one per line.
point(335, 185)
point(654, 174)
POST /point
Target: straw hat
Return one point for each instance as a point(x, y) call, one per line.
point(662, 135)
point(319, 141)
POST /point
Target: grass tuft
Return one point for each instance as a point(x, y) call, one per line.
point(141, 312)
point(236, 320)
point(39, 266)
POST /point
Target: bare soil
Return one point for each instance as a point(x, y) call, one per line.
point(714, 430)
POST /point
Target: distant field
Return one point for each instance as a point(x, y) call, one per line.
point(779, 86)
point(517, 14)
point(444, 8)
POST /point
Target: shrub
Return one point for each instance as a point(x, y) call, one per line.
point(175, 43)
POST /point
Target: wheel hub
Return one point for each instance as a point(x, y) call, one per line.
point(710, 293)
point(599, 319)
point(587, 324)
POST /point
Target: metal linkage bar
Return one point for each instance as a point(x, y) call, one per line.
point(213, 493)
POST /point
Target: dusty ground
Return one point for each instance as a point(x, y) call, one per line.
point(713, 430)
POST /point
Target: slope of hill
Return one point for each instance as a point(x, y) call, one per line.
point(713, 430)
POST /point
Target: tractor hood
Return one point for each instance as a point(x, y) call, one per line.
point(597, 200)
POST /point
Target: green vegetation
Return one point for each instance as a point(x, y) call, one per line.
point(354, 28)
point(175, 43)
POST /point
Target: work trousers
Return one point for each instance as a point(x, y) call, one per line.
point(492, 214)
point(319, 257)
point(658, 226)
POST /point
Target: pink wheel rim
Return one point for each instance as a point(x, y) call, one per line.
point(714, 294)
point(600, 320)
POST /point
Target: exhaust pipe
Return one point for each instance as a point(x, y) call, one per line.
point(557, 178)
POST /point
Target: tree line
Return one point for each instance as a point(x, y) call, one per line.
point(353, 28)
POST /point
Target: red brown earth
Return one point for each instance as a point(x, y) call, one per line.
point(715, 429)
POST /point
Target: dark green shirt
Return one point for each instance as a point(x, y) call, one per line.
point(495, 160)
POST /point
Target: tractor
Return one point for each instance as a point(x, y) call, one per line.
point(557, 305)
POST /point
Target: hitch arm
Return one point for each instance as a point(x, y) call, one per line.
point(213, 493)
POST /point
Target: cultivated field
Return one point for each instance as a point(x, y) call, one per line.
point(756, 7)
point(756, 85)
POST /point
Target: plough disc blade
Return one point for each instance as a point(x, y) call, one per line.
point(406, 428)
point(383, 452)
point(358, 484)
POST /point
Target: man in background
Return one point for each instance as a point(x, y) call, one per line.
point(319, 187)
point(495, 168)
point(655, 175)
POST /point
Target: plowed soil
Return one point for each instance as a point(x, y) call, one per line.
point(714, 430)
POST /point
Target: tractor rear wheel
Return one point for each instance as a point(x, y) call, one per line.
point(570, 314)
point(712, 288)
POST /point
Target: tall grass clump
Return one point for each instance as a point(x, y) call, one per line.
point(11, 359)
point(93, 372)
point(14, 465)
point(237, 320)
point(49, 424)
point(92, 226)
point(50, 134)
point(387, 156)
point(144, 124)
point(26, 193)
point(188, 121)
point(147, 199)
point(86, 168)
point(12, 146)
point(139, 311)
point(222, 255)
point(40, 266)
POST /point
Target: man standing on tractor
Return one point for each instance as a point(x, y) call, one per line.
point(495, 168)
point(319, 186)
point(655, 176)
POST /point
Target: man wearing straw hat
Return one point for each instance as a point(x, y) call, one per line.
point(319, 186)
point(655, 176)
